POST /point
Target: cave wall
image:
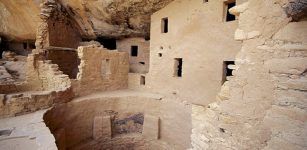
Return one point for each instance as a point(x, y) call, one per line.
point(114, 18)
point(264, 105)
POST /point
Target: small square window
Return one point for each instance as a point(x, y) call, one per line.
point(160, 54)
point(134, 51)
point(205, 1)
point(143, 63)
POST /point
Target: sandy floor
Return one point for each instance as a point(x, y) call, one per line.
point(28, 132)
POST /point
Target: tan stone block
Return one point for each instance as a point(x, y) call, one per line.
point(151, 127)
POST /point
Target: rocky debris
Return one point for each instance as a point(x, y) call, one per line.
point(297, 9)
point(4, 75)
point(9, 56)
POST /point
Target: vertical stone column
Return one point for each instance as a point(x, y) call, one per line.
point(102, 127)
point(151, 127)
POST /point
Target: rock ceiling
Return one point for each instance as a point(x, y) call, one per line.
point(105, 18)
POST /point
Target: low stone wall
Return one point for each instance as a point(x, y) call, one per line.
point(44, 86)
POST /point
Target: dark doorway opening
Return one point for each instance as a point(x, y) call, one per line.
point(178, 67)
point(134, 51)
point(230, 17)
point(142, 80)
point(226, 71)
point(164, 25)
point(107, 43)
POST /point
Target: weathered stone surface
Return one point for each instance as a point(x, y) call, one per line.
point(113, 18)
point(297, 9)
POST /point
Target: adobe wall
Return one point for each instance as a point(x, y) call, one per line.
point(264, 105)
point(56, 28)
point(198, 35)
point(67, 60)
point(100, 70)
point(44, 86)
point(62, 33)
point(139, 63)
point(164, 123)
point(137, 81)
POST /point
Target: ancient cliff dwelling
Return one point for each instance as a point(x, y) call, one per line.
point(153, 74)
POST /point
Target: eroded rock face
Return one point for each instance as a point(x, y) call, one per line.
point(107, 18)
point(297, 9)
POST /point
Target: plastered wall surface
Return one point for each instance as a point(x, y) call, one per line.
point(264, 105)
point(198, 35)
point(139, 63)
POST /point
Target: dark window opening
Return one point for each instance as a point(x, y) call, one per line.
point(134, 51)
point(160, 54)
point(230, 17)
point(31, 45)
point(205, 1)
point(107, 43)
point(164, 25)
point(142, 80)
point(178, 67)
point(226, 71)
point(25, 45)
point(147, 38)
point(5, 132)
point(143, 63)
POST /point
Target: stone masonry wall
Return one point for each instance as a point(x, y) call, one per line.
point(101, 69)
point(139, 63)
point(44, 86)
point(67, 60)
point(264, 105)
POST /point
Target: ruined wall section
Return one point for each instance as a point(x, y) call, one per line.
point(264, 105)
point(44, 86)
point(56, 28)
point(67, 60)
point(100, 70)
